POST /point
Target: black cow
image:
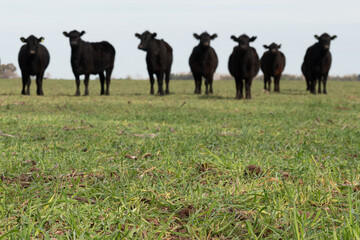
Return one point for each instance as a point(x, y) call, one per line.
point(159, 58)
point(317, 63)
point(33, 60)
point(203, 62)
point(90, 58)
point(243, 64)
point(272, 65)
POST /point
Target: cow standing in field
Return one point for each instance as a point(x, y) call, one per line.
point(203, 62)
point(90, 58)
point(317, 63)
point(33, 60)
point(243, 64)
point(272, 65)
point(159, 58)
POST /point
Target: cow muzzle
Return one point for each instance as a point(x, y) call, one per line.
point(32, 52)
point(326, 47)
point(141, 47)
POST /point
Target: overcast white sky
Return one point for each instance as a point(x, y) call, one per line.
point(291, 23)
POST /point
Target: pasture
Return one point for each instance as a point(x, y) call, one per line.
point(135, 166)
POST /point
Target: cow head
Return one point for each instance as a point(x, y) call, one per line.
point(324, 40)
point(274, 48)
point(205, 38)
point(243, 41)
point(74, 37)
point(32, 43)
point(146, 38)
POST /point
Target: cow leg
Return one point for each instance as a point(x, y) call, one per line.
point(248, 88)
point(108, 80)
point(102, 83)
point(86, 82)
point(77, 81)
point(319, 87)
point(167, 80)
point(265, 82)
point(312, 85)
point(24, 82)
point(277, 84)
point(239, 88)
point(196, 86)
point(206, 86)
point(28, 85)
point(210, 83)
point(160, 78)
point(237, 96)
point(308, 84)
point(324, 83)
point(199, 83)
point(39, 79)
point(197, 79)
point(268, 80)
point(152, 81)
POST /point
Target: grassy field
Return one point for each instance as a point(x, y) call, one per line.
point(136, 166)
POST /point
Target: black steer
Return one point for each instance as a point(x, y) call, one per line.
point(317, 63)
point(90, 58)
point(272, 65)
point(203, 62)
point(33, 60)
point(159, 58)
point(243, 64)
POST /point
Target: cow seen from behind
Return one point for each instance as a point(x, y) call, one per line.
point(33, 60)
point(317, 63)
point(243, 64)
point(272, 65)
point(159, 59)
point(91, 58)
point(203, 62)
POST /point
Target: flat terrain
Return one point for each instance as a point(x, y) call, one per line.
point(135, 166)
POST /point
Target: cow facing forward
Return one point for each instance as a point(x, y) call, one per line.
point(33, 60)
point(243, 64)
point(159, 58)
point(272, 65)
point(317, 63)
point(90, 58)
point(203, 62)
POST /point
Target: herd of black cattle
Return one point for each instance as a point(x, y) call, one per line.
point(98, 58)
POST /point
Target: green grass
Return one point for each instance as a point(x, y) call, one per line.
point(135, 166)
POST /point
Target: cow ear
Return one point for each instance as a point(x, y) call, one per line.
point(82, 33)
point(153, 35)
point(267, 47)
point(66, 34)
point(196, 36)
point(23, 40)
point(333, 37)
point(137, 35)
point(252, 39)
point(213, 36)
point(41, 39)
point(279, 46)
point(234, 38)
point(316, 36)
